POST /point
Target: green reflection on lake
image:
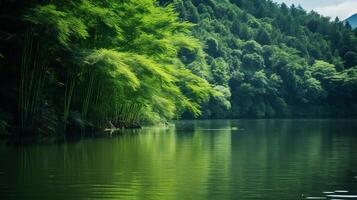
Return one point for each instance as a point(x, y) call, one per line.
point(261, 159)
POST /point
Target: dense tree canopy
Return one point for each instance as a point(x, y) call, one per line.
point(277, 61)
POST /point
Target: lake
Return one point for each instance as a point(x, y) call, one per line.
point(221, 159)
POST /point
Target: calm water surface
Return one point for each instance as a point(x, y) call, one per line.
point(257, 159)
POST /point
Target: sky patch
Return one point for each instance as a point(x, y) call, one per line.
point(331, 8)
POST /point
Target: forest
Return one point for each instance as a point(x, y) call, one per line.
point(273, 61)
point(85, 64)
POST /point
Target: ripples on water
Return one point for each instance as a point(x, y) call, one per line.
point(245, 159)
point(334, 195)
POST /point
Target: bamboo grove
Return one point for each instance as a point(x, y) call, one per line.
point(90, 63)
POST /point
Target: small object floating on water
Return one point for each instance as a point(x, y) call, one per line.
point(328, 192)
point(343, 196)
point(341, 191)
point(220, 129)
point(316, 198)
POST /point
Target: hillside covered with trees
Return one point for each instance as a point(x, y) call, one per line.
point(84, 64)
point(271, 60)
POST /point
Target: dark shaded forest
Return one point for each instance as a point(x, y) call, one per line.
point(79, 65)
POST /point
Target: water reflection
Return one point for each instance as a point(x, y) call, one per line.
point(261, 159)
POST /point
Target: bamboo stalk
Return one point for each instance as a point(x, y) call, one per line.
point(69, 91)
point(32, 78)
point(88, 96)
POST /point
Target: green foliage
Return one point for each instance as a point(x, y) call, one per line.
point(89, 63)
point(323, 71)
point(220, 71)
point(350, 59)
point(219, 104)
point(263, 36)
point(63, 24)
point(109, 62)
point(252, 62)
point(275, 59)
